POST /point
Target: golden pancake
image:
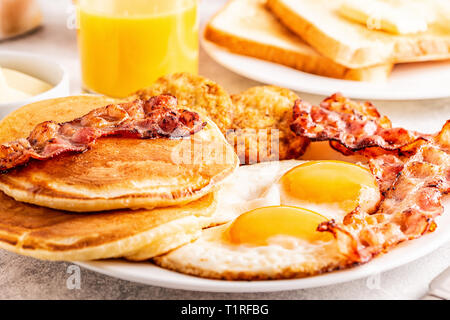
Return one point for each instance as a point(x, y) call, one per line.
point(116, 172)
point(57, 235)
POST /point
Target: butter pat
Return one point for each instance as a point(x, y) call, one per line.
point(25, 83)
point(394, 16)
point(8, 94)
point(16, 86)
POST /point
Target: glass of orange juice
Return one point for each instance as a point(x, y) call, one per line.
point(125, 45)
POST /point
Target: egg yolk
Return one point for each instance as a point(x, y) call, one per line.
point(258, 225)
point(330, 183)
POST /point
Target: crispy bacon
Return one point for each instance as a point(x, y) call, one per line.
point(338, 103)
point(354, 126)
point(156, 117)
point(409, 207)
point(413, 171)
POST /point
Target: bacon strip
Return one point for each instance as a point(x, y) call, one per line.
point(338, 103)
point(154, 118)
point(413, 171)
point(354, 126)
point(408, 209)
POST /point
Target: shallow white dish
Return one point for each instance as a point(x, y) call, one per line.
point(423, 80)
point(147, 273)
point(39, 67)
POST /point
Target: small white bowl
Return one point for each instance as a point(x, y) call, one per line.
point(39, 67)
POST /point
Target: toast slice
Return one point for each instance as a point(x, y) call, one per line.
point(353, 44)
point(246, 27)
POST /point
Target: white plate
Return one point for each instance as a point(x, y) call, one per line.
point(421, 80)
point(147, 273)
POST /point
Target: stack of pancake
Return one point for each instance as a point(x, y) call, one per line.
point(124, 197)
point(138, 199)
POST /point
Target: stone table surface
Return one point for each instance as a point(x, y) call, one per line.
point(28, 278)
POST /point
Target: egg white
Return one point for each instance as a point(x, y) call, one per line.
point(251, 187)
point(211, 256)
point(257, 185)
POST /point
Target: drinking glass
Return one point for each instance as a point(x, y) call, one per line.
point(125, 45)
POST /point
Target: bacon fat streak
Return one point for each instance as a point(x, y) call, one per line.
point(154, 118)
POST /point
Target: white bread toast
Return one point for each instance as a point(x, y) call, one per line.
point(246, 27)
point(354, 45)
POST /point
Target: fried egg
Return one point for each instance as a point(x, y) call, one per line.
point(272, 211)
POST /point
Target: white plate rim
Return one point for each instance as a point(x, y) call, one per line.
point(309, 83)
point(401, 255)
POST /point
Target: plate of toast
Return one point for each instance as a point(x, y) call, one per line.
point(182, 185)
point(391, 50)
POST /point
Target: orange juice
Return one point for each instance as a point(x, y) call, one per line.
point(125, 45)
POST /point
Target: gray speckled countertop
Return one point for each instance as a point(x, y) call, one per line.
point(27, 278)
